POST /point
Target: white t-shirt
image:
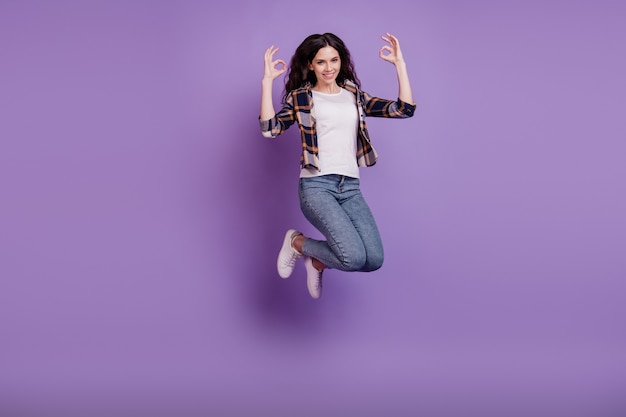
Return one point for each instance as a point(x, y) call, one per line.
point(336, 124)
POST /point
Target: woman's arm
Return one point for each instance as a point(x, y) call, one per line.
point(272, 71)
point(394, 55)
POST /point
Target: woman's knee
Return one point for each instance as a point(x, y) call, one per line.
point(355, 261)
point(362, 260)
point(373, 262)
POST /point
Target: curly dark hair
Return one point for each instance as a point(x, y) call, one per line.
point(299, 73)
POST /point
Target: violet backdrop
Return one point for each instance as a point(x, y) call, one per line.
point(142, 210)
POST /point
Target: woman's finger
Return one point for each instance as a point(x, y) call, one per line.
point(385, 48)
point(393, 38)
point(269, 52)
point(280, 62)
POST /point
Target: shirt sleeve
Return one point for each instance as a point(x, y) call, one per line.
point(378, 107)
point(281, 120)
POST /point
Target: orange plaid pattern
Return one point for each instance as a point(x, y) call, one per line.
point(299, 107)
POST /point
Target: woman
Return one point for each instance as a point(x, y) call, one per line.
point(335, 143)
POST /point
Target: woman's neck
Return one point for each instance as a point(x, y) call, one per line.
point(327, 88)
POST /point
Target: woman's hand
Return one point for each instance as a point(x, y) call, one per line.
point(273, 68)
point(392, 52)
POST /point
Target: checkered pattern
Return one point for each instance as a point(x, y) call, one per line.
point(299, 108)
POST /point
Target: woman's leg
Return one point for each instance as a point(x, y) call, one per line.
point(335, 206)
point(361, 216)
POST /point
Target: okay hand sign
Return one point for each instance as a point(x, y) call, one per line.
point(391, 53)
point(273, 68)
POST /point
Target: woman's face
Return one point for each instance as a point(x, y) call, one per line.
point(326, 65)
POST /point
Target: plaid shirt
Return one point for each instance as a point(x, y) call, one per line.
point(299, 107)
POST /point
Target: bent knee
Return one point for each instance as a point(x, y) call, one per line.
point(373, 263)
point(355, 262)
point(363, 263)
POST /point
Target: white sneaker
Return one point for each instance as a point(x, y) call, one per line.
point(313, 278)
point(287, 256)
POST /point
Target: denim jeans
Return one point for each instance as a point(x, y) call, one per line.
point(335, 206)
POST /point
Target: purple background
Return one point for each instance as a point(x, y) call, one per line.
point(142, 210)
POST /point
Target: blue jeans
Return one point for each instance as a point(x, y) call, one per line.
point(335, 206)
